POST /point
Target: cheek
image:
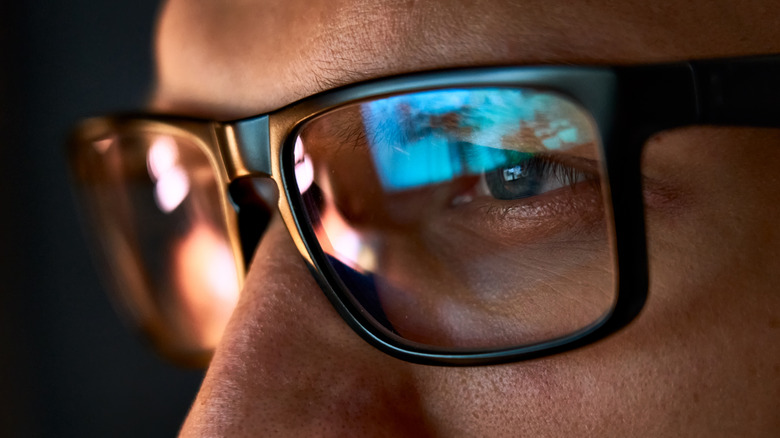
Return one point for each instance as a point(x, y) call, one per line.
point(720, 243)
point(671, 373)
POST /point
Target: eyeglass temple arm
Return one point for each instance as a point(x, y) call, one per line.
point(728, 92)
point(741, 92)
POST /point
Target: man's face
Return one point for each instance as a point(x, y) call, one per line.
point(701, 359)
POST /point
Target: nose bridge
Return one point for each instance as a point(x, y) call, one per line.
point(245, 147)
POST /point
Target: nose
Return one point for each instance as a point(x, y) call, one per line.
point(288, 365)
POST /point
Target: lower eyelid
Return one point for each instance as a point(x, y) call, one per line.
point(566, 213)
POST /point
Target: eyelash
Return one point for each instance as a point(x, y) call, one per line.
point(566, 173)
point(535, 175)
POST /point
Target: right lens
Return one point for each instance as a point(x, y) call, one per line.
point(463, 219)
point(157, 213)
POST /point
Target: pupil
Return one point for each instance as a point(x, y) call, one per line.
point(513, 173)
point(514, 182)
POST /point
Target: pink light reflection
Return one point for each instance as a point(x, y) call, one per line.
point(172, 182)
point(163, 155)
point(304, 171)
point(171, 189)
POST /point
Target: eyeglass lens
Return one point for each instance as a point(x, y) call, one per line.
point(155, 202)
point(462, 218)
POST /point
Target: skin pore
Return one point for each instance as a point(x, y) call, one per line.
point(701, 360)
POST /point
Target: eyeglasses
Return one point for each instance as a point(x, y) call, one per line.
point(462, 217)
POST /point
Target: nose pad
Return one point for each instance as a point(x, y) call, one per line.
point(255, 199)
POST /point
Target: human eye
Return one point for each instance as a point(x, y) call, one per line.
point(535, 174)
point(518, 197)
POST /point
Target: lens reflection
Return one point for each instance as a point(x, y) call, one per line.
point(156, 208)
point(465, 218)
point(171, 182)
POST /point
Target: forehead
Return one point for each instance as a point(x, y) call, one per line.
point(241, 57)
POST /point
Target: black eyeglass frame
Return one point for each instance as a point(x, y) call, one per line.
point(628, 103)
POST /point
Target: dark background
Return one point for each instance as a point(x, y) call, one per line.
point(68, 366)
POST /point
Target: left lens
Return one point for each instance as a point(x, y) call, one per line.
point(156, 211)
point(464, 218)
